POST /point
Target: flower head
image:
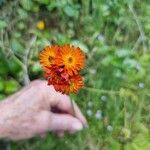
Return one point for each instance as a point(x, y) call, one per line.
point(47, 55)
point(73, 85)
point(40, 25)
point(71, 58)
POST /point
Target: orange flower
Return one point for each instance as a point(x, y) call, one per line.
point(76, 83)
point(62, 65)
point(47, 55)
point(73, 86)
point(56, 75)
point(71, 58)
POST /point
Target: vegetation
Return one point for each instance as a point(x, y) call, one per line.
point(115, 35)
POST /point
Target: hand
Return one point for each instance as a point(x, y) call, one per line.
point(36, 110)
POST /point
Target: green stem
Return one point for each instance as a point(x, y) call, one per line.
point(72, 103)
point(122, 146)
point(102, 91)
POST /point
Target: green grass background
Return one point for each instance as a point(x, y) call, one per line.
point(115, 35)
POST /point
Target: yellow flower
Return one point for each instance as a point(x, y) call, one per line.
point(40, 25)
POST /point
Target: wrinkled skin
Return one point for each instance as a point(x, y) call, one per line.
point(36, 110)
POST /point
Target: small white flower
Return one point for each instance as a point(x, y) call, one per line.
point(109, 128)
point(92, 71)
point(98, 114)
point(103, 98)
point(138, 66)
point(90, 104)
point(101, 37)
point(141, 85)
point(89, 112)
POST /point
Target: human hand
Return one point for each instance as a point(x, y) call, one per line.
point(36, 110)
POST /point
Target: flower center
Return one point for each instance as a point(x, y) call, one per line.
point(70, 59)
point(50, 58)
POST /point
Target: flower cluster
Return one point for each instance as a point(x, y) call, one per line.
point(61, 65)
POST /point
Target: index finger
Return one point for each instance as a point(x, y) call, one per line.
point(63, 102)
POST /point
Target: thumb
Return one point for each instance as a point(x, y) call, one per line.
point(65, 122)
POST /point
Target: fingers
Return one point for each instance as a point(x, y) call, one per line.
point(65, 122)
point(64, 103)
point(55, 123)
point(60, 101)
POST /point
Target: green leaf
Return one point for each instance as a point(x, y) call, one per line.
point(11, 86)
point(141, 142)
point(62, 39)
point(114, 145)
point(3, 24)
point(16, 46)
point(80, 45)
point(70, 11)
point(14, 67)
point(26, 4)
point(22, 13)
point(44, 2)
point(36, 67)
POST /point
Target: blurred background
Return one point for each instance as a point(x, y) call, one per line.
point(115, 35)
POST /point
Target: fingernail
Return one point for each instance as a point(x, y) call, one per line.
point(77, 126)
